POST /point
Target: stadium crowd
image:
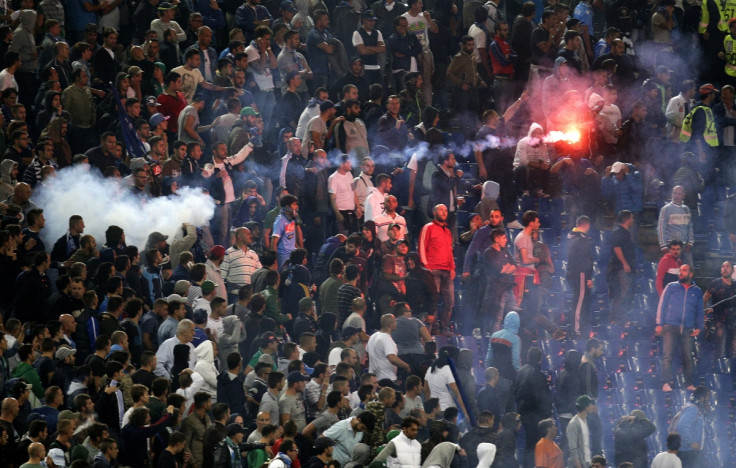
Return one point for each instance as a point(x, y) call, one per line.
point(411, 261)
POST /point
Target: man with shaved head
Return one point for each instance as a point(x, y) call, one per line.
point(239, 264)
point(8, 412)
point(435, 251)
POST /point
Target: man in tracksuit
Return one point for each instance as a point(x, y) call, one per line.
point(680, 318)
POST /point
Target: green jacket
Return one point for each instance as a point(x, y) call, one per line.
point(28, 372)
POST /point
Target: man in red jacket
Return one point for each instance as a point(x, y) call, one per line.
point(669, 265)
point(435, 251)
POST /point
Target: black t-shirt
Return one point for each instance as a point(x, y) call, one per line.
point(97, 364)
point(43, 367)
point(622, 238)
point(167, 460)
point(538, 57)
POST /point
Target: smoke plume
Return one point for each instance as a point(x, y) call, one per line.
point(103, 202)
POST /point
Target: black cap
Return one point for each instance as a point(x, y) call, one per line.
point(234, 428)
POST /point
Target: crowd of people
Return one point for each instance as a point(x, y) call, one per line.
point(365, 161)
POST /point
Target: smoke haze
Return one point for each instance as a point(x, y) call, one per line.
point(103, 202)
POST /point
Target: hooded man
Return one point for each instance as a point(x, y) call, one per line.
point(532, 162)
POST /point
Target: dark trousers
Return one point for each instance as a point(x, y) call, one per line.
point(446, 287)
point(580, 301)
point(349, 222)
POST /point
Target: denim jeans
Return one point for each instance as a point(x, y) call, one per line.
point(671, 335)
point(619, 286)
point(446, 287)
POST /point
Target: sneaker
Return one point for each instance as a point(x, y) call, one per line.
point(515, 225)
point(690, 388)
point(666, 388)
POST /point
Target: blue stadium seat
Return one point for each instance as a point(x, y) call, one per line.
point(721, 383)
point(626, 381)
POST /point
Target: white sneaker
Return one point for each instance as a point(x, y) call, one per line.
point(515, 225)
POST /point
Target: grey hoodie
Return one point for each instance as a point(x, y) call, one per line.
point(24, 42)
point(441, 455)
point(232, 334)
point(7, 183)
point(361, 455)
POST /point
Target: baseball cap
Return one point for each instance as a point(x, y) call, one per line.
point(234, 428)
point(326, 105)
point(572, 22)
point(305, 303)
point(583, 402)
point(639, 414)
point(199, 316)
point(323, 442)
point(208, 286)
point(63, 352)
point(368, 15)
point(57, 456)
point(198, 97)
point(296, 376)
point(151, 101)
point(617, 167)
point(662, 69)
point(288, 6)
point(175, 297)
point(347, 332)
point(165, 6)
point(708, 89)
point(181, 287)
point(157, 118)
point(217, 251)
point(134, 70)
point(156, 237)
point(247, 111)
point(267, 358)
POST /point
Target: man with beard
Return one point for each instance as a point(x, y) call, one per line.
point(435, 251)
point(679, 319)
point(722, 316)
point(286, 235)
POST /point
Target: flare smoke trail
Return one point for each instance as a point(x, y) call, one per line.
point(103, 202)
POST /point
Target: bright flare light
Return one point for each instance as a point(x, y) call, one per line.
point(572, 136)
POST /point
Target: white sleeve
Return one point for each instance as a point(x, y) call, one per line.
point(357, 38)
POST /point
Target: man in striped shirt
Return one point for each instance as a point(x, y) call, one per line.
point(239, 264)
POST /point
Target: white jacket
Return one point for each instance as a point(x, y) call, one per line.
point(206, 368)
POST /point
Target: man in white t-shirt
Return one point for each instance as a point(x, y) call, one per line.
point(261, 60)
point(343, 200)
point(214, 321)
point(191, 77)
point(389, 217)
point(420, 23)
point(669, 459)
point(7, 76)
point(350, 336)
point(383, 353)
point(376, 199)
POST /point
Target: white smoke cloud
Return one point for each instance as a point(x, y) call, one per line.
point(104, 202)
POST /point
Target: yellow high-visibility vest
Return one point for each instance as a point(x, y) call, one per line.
point(729, 48)
point(726, 11)
point(709, 134)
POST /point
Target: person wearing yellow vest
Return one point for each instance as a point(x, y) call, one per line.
point(715, 15)
point(699, 127)
point(728, 54)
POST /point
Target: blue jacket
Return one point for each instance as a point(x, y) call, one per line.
point(509, 336)
point(690, 427)
point(681, 307)
point(625, 194)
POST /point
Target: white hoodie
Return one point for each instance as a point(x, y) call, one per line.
point(206, 368)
